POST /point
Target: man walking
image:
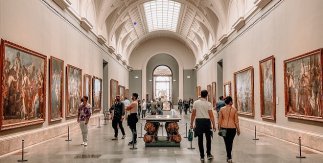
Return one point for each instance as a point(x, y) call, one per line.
point(203, 116)
point(118, 115)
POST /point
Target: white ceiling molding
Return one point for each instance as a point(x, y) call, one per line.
point(201, 62)
point(111, 49)
point(124, 62)
point(213, 49)
point(239, 24)
point(262, 3)
point(118, 57)
point(63, 4)
point(206, 56)
point(223, 39)
point(102, 40)
point(85, 24)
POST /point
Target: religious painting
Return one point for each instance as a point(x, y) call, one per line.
point(213, 94)
point(244, 91)
point(126, 93)
point(209, 89)
point(56, 86)
point(97, 93)
point(198, 91)
point(227, 89)
point(74, 90)
point(303, 86)
point(23, 86)
point(267, 88)
point(114, 90)
point(87, 83)
point(122, 91)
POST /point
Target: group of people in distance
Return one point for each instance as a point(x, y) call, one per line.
point(202, 119)
point(185, 105)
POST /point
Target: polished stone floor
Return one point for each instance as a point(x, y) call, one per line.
point(102, 149)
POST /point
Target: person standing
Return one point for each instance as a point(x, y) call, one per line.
point(154, 107)
point(180, 106)
point(219, 104)
point(118, 116)
point(144, 108)
point(186, 106)
point(228, 119)
point(83, 117)
point(202, 114)
point(139, 108)
point(132, 117)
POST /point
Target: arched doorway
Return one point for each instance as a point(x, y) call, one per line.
point(162, 83)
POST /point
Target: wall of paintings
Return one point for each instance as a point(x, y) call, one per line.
point(287, 76)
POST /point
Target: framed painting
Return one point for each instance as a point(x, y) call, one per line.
point(198, 91)
point(303, 86)
point(244, 91)
point(114, 90)
point(56, 86)
point(213, 93)
point(122, 91)
point(227, 89)
point(87, 83)
point(73, 90)
point(126, 93)
point(267, 88)
point(209, 90)
point(97, 93)
point(23, 86)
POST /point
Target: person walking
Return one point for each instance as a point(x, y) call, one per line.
point(219, 104)
point(144, 108)
point(118, 110)
point(132, 117)
point(153, 107)
point(180, 106)
point(139, 108)
point(228, 120)
point(202, 115)
point(83, 117)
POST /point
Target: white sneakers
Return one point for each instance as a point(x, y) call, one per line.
point(84, 143)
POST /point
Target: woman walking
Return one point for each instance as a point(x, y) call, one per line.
point(228, 120)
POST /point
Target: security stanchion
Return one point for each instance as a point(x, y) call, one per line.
point(133, 141)
point(22, 152)
point(140, 131)
point(190, 139)
point(300, 149)
point(255, 134)
point(68, 134)
point(186, 131)
point(99, 123)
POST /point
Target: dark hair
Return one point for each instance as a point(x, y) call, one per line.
point(204, 93)
point(221, 97)
point(228, 99)
point(135, 95)
point(85, 98)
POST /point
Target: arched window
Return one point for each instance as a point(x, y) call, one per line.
point(162, 79)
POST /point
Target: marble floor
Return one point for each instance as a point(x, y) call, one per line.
point(102, 149)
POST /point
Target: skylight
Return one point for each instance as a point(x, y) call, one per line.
point(162, 15)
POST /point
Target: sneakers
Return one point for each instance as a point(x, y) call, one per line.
point(85, 144)
point(124, 136)
point(82, 143)
point(229, 160)
point(209, 157)
point(202, 158)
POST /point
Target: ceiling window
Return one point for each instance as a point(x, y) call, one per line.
point(162, 15)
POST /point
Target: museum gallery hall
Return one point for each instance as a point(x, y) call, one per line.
point(142, 81)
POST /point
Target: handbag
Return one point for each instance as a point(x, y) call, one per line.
point(190, 135)
point(223, 132)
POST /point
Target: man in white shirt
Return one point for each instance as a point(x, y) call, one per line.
point(203, 116)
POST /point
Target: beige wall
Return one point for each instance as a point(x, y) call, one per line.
point(290, 29)
point(34, 25)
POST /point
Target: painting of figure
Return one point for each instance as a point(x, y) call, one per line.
point(244, 91)
point(126, 93)
point(227, 89)
point(87, 83)
point(23, 86)
point(114, 90)
point(56, 81)
point(74, 90)
point(303, 86)
point(97, 93)
point(213, 94)
point(267, 88)
point(122, 91)
point(209, 90)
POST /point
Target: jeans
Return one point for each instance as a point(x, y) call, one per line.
point(143, 114)
point(115, 123)
point(203, 126)
point(84, 130)
point(228, 140)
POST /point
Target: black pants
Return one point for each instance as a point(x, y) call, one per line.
point(132, 123)
point(143, 114)
point(115, 123)
point(203, 126)
point(228, 140)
